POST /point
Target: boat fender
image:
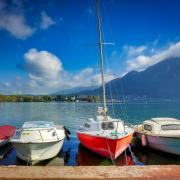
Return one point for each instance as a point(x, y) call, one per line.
point(67, 133)
point(143, 140)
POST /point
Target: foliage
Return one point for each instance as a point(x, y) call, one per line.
point(48, 98)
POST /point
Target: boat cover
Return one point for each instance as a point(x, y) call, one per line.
point(6, 131)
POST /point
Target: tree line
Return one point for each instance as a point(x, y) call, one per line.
point(48, 98)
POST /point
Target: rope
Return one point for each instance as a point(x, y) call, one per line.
point(107, 64)
point(132, 155)
point(109, 151)
point(123, 113)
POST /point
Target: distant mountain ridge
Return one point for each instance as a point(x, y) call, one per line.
point(161, 80)
point(74, 90)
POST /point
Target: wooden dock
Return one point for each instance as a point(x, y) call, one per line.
point(169, 172)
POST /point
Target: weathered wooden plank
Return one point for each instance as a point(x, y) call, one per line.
point(170, 172)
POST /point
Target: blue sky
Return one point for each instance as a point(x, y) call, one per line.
point(51, 45)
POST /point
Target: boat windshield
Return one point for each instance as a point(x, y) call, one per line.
point(38, 124)
point(147, 127)
point(107, 126)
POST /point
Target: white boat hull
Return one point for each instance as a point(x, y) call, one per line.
point(30, 152)
point(165, 144)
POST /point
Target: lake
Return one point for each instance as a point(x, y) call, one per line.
point(72, 115)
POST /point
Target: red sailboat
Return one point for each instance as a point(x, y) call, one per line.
point(104, 135)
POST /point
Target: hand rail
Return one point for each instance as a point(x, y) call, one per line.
point(40, 135)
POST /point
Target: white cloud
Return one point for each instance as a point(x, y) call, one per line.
point(44, 68)
point(139, 58)
point(15, 24)
point(134, 51)
point(7, 84)
point(46, 21)
point(87, 77)
point(80, 77)
point(13, 86)
point(139, 63)
point(97, 80)
point(46, 74)
point(143, 61)
point(13, 20)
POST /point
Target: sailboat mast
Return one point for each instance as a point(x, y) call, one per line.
point(102, 60)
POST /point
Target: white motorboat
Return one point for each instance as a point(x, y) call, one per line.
point(38, 140)
point(160, 133)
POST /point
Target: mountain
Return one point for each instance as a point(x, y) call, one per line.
point(74, 90)
point(161, 80)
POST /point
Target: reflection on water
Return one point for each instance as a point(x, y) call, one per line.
point(60, 160)
point(148, 156)
point(56, 161)
point(86, 157)
point(8, 157)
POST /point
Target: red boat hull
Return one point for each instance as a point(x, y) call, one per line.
point(110, 148)
point(6, 131)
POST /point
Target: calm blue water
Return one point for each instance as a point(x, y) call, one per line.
point(72, 115)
